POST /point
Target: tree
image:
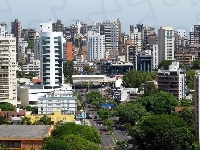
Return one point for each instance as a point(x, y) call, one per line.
point(85, 132)
point(159, 103)
point(149, 89)
point(130, 112)
point(122, 145)
point(96, 99)
point(196, 64)
point(162, 132)
point(88, 70)
point(29, 108)
point(4, 120)
point(20, 74)
point(165, 64)
point(45, 120)
point(54, 144)
point(104, 113)
point(109, 123)
point(135, 79)
point(26, 121)
point(7, 107)
point(186, 103)
point(187, 114)
point(190, 78)
point(75, 142)
point(68, 70)
point(85, 85)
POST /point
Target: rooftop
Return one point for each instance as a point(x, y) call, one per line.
point(24, 131)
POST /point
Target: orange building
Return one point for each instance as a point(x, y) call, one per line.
point(69, 50)
point(19, 137)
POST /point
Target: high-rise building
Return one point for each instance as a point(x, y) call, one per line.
point(165, 43)
point(155, 57)
point(96, 46)
point(146, 32)
point(16, 28)
point(110, 30)
point(197, 106)
point(195, 37)
point(8, 68)
point(3, 29)
point(51, 47)
point(67, 51)
point(173, 80)
point(58, 26)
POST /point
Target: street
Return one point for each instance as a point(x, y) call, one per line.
point(106, 138)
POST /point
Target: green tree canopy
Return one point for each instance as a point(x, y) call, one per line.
point(4, 120)
point(135, 79)
point(186, 103)
point(196, 64)
point(162, 132)
point(130, 112)
point(68, 70)
point(45, 120)
point(7, 107)
point(26, 121)
point(104, 113)
point(29, 108)
point(76, 142)
point(88, 69)
point(55, 144)
point(96, 99)
point(108, 123)
point(190, 79)
point(159, 103)
point(149, 89)
point(187, 114)
point(85, 132)
point(165, 64)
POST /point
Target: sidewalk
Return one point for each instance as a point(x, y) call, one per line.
point(87, 122)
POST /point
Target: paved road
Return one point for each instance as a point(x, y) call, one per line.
point(106, 139)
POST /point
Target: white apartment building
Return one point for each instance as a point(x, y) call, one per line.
point(136, 38)
point(51, 48)
point(165, 43)
point(58, 99)
point(22, 45)
point(180, 33)
point(3, 29)
point(110, 30)
point(173, 80)
point(8, 68)
point(33, 66)
point(197, 106)
point(155, 56)
point(96, 46)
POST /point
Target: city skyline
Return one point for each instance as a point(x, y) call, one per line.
point(149, 13)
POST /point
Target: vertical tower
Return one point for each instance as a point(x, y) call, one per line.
point(8, 68)
point(51, 48)
point(96, 46)
point(165, 43)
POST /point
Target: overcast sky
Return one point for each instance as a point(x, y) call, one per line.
point(176, 13)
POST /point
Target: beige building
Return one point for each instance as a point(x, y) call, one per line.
point(8, 67)
point(165, 43)
point(185, 58)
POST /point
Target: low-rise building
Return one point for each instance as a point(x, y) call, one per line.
point(110, 68)
point(173, 80)
point(58, 99)
point(57, 116)
point(20, 137)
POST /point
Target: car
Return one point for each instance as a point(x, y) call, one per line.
point(82, 94)
point(101, 132)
